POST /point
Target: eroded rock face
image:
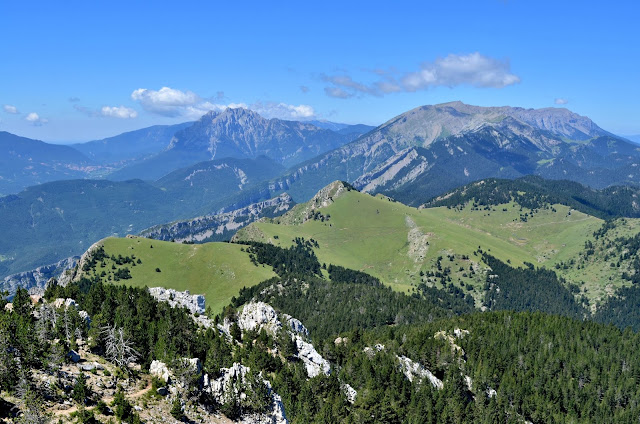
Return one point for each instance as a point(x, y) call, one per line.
point(295, 325)
point(37, 279)
point(414, 370)
point(195, 303)
point(159, 369)
point(349, 392)
point(212, 227)
point(234, 382)
point(258, 315)
point(313, 361)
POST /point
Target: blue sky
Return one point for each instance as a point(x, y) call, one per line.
point(75, 71)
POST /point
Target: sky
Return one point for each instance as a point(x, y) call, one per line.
point(75, 71)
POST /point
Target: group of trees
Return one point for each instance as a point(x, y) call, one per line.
point(534, 192)
point(548, 366)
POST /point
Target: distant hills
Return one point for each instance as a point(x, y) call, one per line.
point(413, 157)
point(130, 146)
point(56, 220)
point(153, 152)
point(634, 138)
point(241, 133)
point(25, 162)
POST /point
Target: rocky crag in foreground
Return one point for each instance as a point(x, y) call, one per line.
point(238, 381)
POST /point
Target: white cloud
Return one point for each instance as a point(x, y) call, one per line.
point(453, 70)
point(171, 102)
point(561, 101)
point(121, 112)
point(472, 69)
point(11, 109)
point(35, 119)
point(166, 101)
point(283, 111)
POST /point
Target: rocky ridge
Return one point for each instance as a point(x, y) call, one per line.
point(36, 280)
point(194, 303)
point(243, 133)
point(256, 316)
point(217, 227)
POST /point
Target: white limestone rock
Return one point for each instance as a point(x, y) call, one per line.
point(259, 315)
point(313, 361)
point(295, 325)
point(194, 303)
point(413, 370)
point(160, 370)
point(350, 393)
point(371, 351)
point(234, 379)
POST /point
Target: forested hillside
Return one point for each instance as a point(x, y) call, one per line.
point(361, 353)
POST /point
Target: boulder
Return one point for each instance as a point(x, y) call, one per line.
point(160, 370)
point(349, 392)
point(73, 356)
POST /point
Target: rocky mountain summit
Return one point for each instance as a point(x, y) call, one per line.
point(242, 133)
point(432, 149)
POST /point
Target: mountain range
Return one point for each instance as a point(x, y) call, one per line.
point(432, 149)
point(153, 152)
point(413, 157)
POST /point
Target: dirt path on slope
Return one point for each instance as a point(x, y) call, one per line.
point(106, 400)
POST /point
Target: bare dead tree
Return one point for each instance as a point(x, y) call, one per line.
point(67, 325)
point(47, 320)
point(187, 377)
point(118, 348)
point(33, 412)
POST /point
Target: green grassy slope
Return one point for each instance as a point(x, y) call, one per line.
point(217, 270)
point(395, 242)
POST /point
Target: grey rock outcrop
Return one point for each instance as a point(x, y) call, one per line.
point(314, 363)
point(194, 303)
point(256, 316)
point(234, 382)
point(159, 369)
point(220, 226)
point(414, 370)
point(37, 278)
point(350, 393)
point(259, 315)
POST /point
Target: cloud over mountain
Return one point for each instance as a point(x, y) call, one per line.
point(173, 102)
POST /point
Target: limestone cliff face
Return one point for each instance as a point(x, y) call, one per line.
point(36, 279)
point(221, 226)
